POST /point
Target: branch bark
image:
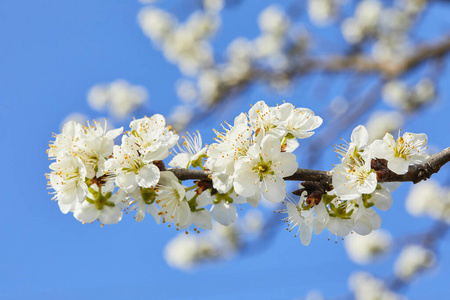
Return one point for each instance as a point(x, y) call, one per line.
point(415, 174)
point(364, 64)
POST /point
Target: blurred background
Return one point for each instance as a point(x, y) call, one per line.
point(383, 64)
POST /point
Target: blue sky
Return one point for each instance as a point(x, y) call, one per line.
point(51, 53)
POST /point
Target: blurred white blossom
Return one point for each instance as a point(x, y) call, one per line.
point(273, 20)
point(364, 249)
point(381, 122)
point(399, 95)
point(412, 260)
point(119, 97)
point(430, 199)
point(366, 287)
point(322, 11)
point(185, 251)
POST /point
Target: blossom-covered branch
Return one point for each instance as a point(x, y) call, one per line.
point(415, 174)
point(250, 161)
point(299, 175)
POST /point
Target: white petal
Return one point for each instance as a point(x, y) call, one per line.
point(140, 214)
point(274, 189)
point(112, 134)
point(153, 210)
point(246, 183)
point(148, 176)
point(305, 233)
point(237, 199)
point(398, 165)
point(362, 226)
point(369, 185)
point(180, 161)
point(127, 182)
point(382, 199)
point(222, 182)
point(285, 164)
point(110, 215)
point(166, 178)
point(360, 136)
point(202, 219)
point(225, 213)
point(292, 144)
point(254, 200)
point(86, 213)
point(339, 226)
point(159, 154)
point(391, 186)
point(184, 213)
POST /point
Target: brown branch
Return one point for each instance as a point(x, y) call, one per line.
point(364, 64)
point(416, 173)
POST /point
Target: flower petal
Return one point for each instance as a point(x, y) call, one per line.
point(225, 213)
point(148, 176)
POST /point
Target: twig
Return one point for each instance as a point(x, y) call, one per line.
point(416, 173)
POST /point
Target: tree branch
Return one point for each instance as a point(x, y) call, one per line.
point(416, 173)
point(364, 64)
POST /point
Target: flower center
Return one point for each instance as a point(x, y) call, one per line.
point(263, 168)
point(402, 149)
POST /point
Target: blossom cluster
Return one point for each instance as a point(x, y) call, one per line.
point(357, 185)
point(97, 180)
point(398, 95)
point(119, 97)
point(366, 287)
point(430, 199)
point(223, 242)
point(386, 25)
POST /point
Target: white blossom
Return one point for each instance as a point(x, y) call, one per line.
point(223, 209)
point(366, 287)
point(190, 152)
point(369, 12)
point(185, 251)
point(119, 97)
point(152, 137)
point(413, 259)
point(395, 93)
point(129, 168)
point(70, 133)
point(199, 216)
point(322, 11)
point(156, 23)
point(354, 177)
point(262, 170)
point(364, 249)
point(298, 121)
point(230, 146)
point(171, 198)
point(299, 217)
point(68, 179)
point(430, 199)
point(273, 20)
point(381, 122)
point(101, 204)
point(214, 5)
point(269, 120)
point(95, 147)
point(143, 201)
point(407, 150)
